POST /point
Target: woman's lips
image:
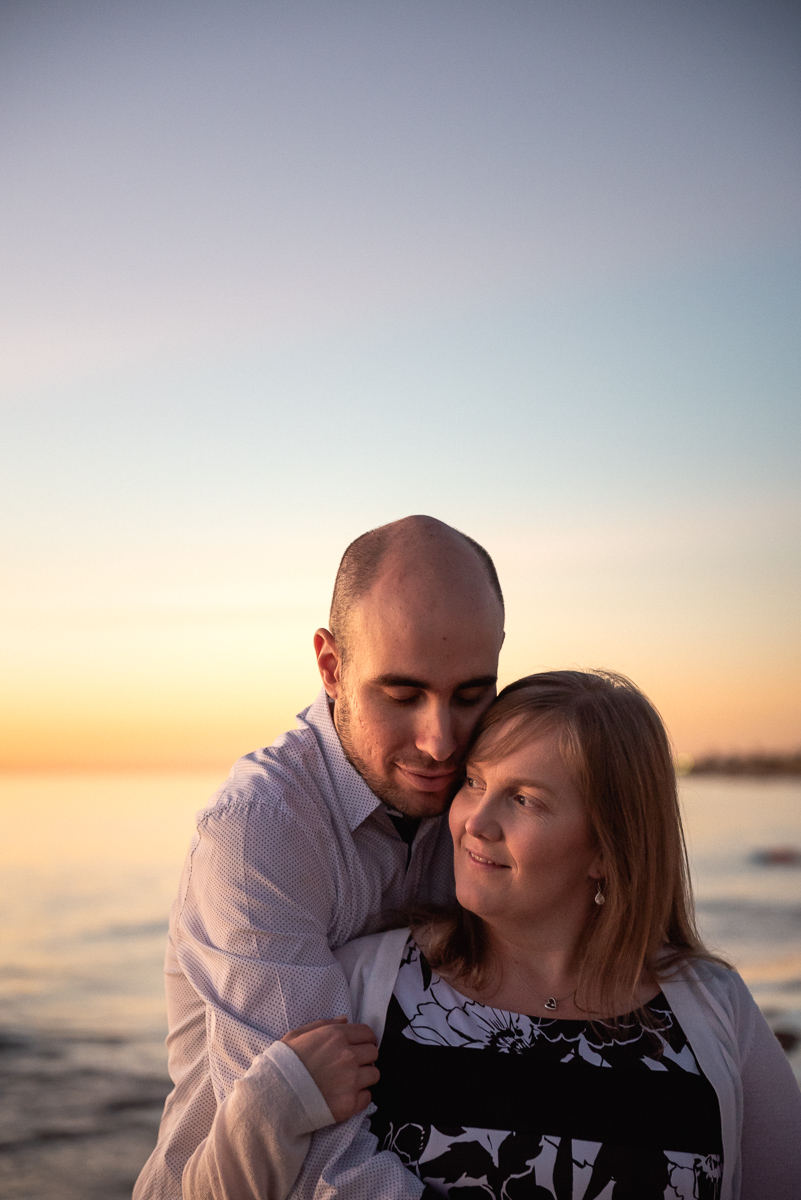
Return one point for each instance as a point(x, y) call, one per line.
point(488, 864)
point(426, 781)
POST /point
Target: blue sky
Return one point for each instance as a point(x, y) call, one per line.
point(277, 273)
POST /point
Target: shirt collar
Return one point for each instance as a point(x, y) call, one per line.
point(352, 792)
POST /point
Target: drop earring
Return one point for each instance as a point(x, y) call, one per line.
point(600, 898)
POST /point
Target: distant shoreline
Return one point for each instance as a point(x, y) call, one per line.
point(759, 766)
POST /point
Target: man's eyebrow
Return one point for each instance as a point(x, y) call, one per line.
point(479, 682)
point(405, 681)
point(399, 681)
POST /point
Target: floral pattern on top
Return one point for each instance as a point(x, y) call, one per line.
point(470, 1163)
point(444, 1017)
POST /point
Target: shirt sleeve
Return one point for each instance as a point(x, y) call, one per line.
point(251, 937)
point(771, 1138)
point(248, 959)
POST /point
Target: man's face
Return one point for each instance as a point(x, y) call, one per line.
point(410, 692)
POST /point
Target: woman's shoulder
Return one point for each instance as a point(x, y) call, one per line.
point(372, 950)
point(675, 967)
point(710, 983)
point(371, 965)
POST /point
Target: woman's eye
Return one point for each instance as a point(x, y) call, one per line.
point(527, 801)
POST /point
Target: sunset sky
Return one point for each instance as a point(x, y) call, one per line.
point(276, 273)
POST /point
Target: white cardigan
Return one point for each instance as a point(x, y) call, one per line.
point(261, 1145)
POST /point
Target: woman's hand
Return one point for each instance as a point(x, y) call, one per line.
point(339, 1057)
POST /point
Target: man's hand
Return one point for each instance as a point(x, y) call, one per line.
point(339, 1058)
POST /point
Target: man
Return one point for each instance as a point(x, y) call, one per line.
point(311, 842)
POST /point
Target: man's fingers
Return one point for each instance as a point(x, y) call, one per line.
point(368, 1077)
point(359, 1033)
point(354, 1035)
point(367, 1052)
point(362, 1100)
point(319, 1024)
point(315, 1025)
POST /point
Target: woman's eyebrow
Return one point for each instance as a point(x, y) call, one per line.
point(532, 783)
point(514, 782)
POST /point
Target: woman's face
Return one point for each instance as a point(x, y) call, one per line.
point(523, 848)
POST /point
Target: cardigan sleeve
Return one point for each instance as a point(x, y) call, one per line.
point(771, 1136)
point(343, 1161)
point(260, 1134)
point(262, 1131)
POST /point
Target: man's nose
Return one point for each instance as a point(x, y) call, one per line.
point(436, 734)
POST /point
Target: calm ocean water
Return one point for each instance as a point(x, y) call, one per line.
point(90, 865)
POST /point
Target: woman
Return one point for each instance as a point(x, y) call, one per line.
point(564, 1034)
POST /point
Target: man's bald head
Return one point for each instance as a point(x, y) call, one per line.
point(411, 659)
point(419, 554)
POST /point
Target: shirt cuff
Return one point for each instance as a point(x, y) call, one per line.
point(285, 1060)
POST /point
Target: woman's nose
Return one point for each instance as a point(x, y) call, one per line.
point(483, 822)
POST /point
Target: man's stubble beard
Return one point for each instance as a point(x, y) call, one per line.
point(394, 797)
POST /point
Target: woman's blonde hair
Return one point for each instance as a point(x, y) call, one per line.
point(616, 747)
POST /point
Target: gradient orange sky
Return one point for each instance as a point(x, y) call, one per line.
point(154, 663)
point(282, 273)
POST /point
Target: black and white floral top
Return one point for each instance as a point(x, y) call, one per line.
point(482, 1103)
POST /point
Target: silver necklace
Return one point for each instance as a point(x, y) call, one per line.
point(552, 1001)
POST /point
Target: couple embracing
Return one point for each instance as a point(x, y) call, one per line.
point(434, 942)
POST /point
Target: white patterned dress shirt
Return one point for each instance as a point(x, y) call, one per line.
point(294, 857)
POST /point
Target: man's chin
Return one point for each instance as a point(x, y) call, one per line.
point(412, 801)
point(421, 804)
point(397, 788)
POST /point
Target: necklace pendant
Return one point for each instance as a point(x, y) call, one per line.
point(550, 1004)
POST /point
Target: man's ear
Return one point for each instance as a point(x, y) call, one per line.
point(329, 661)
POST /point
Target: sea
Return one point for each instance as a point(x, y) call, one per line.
point(89, 866)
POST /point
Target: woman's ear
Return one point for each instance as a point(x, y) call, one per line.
point(596, 870)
